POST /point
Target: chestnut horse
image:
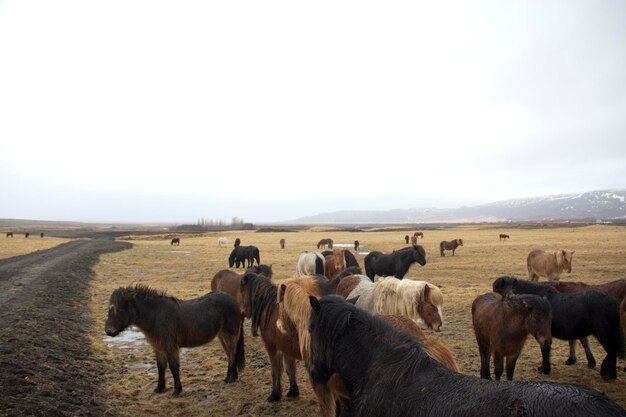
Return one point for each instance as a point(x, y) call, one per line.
point(9, 234)
point(175, 241)
point(325, 243)
point(260, 305)
point(418, 234)
point(170, 323)
point(452, 245)
point(414, 240)
point(502, 325)
point(388, 373)
point(505, 237)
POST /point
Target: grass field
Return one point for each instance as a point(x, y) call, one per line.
point(19, 245)
point(185, 271)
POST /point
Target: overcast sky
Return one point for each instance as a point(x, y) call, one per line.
point(174, 111)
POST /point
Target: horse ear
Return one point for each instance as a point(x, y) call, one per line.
point(281, 292)
point(353, 300)
point(426, 293)
point(315, 304)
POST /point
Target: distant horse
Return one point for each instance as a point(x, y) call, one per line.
point(418, 234)
point(550, 265)
point(502, 325)
point(170, 323)
point(261, 306)
point(9, 234)
point(237, 242)
point(282, 243)
point(357, 245)
point(222, 242)
point(310, 263)
point(406, 239)
point(396, 263)
point(616, 289)
point(325, 243)
point(417, 300)
point(388, 373)
point(244, 256)
point(26, 234)
point(503, 236)
point(576, 316)
point(452, 245)
point(41, 234)
point(175, 241)
point(413, 240)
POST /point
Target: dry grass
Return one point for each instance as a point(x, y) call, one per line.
point(185, 271)
point(19, 245)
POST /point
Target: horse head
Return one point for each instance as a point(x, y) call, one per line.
point(564, 260)
point(121, 311)
point(428, 311)
point(504, 285)
point(419, 254)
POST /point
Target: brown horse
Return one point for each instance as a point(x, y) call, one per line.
point(170, 323)
point(325, 243)
point(357, 245)
point(229, 282)
point(418, 234)
point(175, 241)
point(334, 263)
point(503, 236)
point(502, 325)
point(622, 315)
point(452, 245)
point(406, 239)
point(9, 234)
point(282, 243)
point(414, 240)
point(41, 234)
point(260, 305)
point(26, 234)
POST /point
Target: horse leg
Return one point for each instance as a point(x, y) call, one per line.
point(161, 358)
point(452, 252)
point(276, 359)
point(498, 365)
point(229, 344)
point(511, 360)
point(571, 359)
point(290, 368)
point(545, 364)
point(591, 361)
point(485, 357)
point(174, 362)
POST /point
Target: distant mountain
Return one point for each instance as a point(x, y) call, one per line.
point(608, 204)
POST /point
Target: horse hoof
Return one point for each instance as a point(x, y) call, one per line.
point(609, 376)
point(543, 371)
point(293, 393)
point(230, 380)
point(273, 398)
point(159, 389)
point(570, 361)
point(591, 365)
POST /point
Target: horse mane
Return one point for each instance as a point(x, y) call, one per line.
point(296, 305)
point(391, 297)
point(141, 291)
point(261, 296)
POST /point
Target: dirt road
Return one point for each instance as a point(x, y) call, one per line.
point(46, 366)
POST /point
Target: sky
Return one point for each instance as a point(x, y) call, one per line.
point(162, 111)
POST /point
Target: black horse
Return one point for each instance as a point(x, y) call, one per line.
point(387, 373)
point(237, 242)
point(241, 254)
point(396, 263)
point(576, 316)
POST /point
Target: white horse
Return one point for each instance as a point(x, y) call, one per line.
point(310, 263)
point(222, 242)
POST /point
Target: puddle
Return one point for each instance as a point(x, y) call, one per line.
point(129, 338)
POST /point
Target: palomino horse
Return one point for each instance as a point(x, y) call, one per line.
point(502, 325)
point(452, 245)
point(388, 373)
point(170, 323)
point(222, 242)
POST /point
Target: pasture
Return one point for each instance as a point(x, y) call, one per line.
point(185, 272)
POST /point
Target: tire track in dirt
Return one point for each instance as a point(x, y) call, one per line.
point(46, 364)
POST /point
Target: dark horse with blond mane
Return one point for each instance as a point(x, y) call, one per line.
point(388, 373)
point(170, 323)
point(452, 245)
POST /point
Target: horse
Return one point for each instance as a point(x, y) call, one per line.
point(282, 243)
point(237, 242)
point(616, 289)
point(396, 263)
point(418, 234)
point(175, 241)
point(260, 305)
point(388, 373)
point(26, 234)
point(357, 245)
point(222, 242)
point(501, 326)
point(417, 300)
point(310, 263)
point(41, 235)
point(334, 263)
point(504, 237)
point(229, 281)
point(170, 323)
point(350, 259)
point(576, 316)
point(406, 239)
point(550, 265)
point(243, 255)
point(9, 234)
point(414, 240)
point(622, 318)
point(325, 243)
point(452, 245)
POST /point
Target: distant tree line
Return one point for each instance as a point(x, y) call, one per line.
point(207, 224)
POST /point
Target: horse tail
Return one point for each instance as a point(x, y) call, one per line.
point(240, 354)
point(257, 255)
point(319, 265)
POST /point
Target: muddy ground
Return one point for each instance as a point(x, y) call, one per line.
point(46, 364)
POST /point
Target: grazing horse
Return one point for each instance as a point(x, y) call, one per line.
point(388, 373)
point(325, 243)
point(396, 263)
point(9, 234)
point(237, 242)
point(578, 315)
point(222, 242)
point(310, 263)
point(406, 239)
point(357, 245)
point(175, 241)
point(261, 306)
point(417, 300)
point(170, 323)
point(26, 234)
point(41, 234)
point(502, 325)
point(452, 245)
point(418, 234)
point(282, 243)
point(244, 256)
point(505, 237)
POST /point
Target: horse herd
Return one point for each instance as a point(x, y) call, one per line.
point(358, 339)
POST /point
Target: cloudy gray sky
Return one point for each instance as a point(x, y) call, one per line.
point(174, 111)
